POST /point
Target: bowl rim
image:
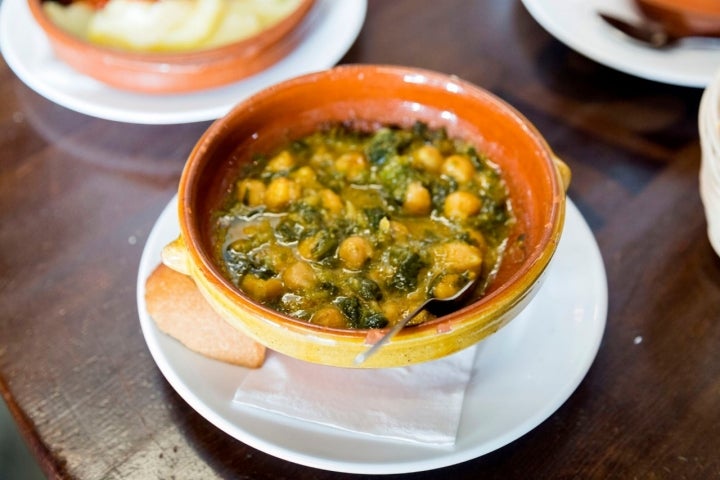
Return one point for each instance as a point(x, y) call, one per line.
point(507, 297)
point(250, 46)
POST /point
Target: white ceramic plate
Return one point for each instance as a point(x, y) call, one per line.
point(327, 34)
point(576, 24)
point(522, 374)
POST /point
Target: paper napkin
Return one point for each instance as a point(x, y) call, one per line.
point(420, 403)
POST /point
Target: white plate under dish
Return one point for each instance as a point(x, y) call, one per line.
point(327, 34)
point(576, 24)
point(522, 374)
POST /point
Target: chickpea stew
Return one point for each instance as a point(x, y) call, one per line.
point(349, 228)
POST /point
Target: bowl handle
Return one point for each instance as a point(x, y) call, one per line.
point(564, 172)
point(174, 255)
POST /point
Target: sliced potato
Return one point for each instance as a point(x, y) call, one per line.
point(270, 11)
point(245, 18)
point(73, 18)
point(156, 26)
point(237, 24)
point(169, 25)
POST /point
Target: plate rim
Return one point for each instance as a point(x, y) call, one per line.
point(606, 53)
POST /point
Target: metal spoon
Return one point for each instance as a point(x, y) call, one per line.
point(402, 323)
point(654, 35)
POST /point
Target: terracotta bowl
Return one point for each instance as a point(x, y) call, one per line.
point(174, 72)
point(684, 17)
point(389, 95)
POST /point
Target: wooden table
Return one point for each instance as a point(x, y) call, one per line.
point(79, 195)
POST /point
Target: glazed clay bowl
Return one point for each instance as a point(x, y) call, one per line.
point(388, 95)
point(175, 72)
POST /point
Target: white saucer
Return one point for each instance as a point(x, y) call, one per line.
point(329, 32)
point(522, 374)
point(576, 23)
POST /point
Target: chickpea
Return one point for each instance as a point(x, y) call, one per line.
point(299, 277)
point(304, 176)
point(428, 158)
point(457, 257)
point(257, 232)
point(393, 310)
point(311, 199)
point(422, 317)
point(461, 205)
point(329, 317)
point(251, 192)
point(393, 230)
point(331, 201)
point(283, 161)
point(277, 256)
point(353, 165)
point(458, 167)
point(447, 286)
point(355, 252)
point(305, 248)
point(260, 289)
point(321, 159)
point(417, 199)
point(280, 193)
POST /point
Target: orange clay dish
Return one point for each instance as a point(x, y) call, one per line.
point(367, 98)
point(347, 228)
point(171, 46)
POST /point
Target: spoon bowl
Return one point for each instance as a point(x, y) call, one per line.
point(406, 319)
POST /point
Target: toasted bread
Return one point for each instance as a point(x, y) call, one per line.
point(179, 309)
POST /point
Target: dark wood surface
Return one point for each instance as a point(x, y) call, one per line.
point(78, 197)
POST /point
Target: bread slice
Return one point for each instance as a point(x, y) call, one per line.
point(179, 309)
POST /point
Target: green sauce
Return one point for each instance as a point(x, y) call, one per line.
point(354, 229)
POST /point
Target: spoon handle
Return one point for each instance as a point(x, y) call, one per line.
point(402, 323)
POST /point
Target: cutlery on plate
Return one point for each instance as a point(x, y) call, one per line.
point(654, 35)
